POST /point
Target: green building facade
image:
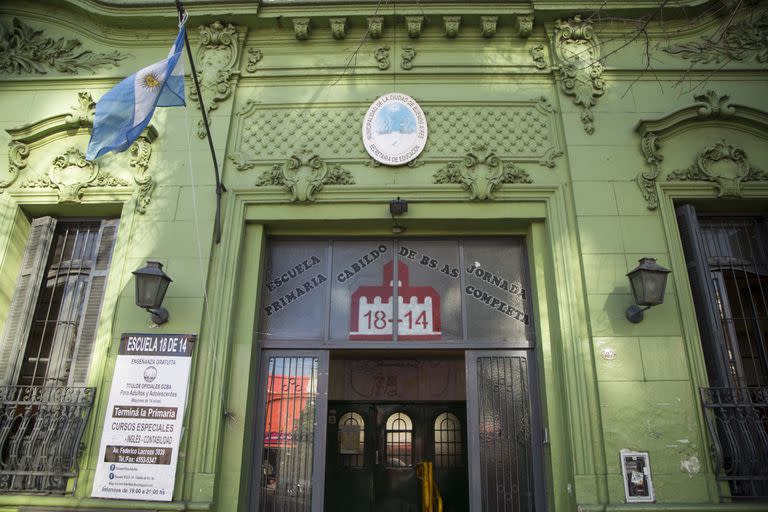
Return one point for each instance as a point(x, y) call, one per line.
point(557, 145)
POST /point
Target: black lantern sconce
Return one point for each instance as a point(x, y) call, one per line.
point(151, 285)
point(648, 282)
point(397, 207)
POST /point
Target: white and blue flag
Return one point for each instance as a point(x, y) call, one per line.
point(124, 112)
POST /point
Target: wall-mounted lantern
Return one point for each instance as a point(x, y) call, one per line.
point(648, 282)
point(151, 285)
point(397, 207)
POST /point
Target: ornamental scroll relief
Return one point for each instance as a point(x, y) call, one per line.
point(69, 174)
point(481, 173)
point(577, 50)
point(27, 50)
point(304, 174)
point(723, 163)
point(218, 57)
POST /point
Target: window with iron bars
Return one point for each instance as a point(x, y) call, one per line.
point(45, 352)
point(727, 260)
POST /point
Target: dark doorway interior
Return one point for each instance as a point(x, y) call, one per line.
point(373, 448)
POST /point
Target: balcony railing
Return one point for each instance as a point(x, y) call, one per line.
point(40, 433)
point(737, 420)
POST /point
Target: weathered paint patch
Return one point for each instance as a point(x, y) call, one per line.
point(691, 465)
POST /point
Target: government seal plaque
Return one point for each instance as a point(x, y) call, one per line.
point(394, 129)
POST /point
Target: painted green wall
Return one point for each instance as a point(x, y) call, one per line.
point(585, 217)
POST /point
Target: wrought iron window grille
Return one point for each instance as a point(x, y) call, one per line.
point(41, 428)
point(737, 420)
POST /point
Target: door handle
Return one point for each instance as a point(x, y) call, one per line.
point(377, 458)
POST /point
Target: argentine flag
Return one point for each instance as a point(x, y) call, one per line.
point(124, 112)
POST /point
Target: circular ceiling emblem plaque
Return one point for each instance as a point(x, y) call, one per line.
point(394, 129)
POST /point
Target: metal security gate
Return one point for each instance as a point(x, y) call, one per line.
point(291, 401)
point(504, 435)
point(727, 259)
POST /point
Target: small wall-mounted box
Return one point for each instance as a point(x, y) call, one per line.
point(636, 472)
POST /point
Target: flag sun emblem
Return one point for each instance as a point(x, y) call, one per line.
point(150, 81)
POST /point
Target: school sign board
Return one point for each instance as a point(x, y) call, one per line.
point(142, 428)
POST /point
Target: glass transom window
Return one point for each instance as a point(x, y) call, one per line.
point(446, 291)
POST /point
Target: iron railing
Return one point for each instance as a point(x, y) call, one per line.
point(737, 420)
point(40, 432)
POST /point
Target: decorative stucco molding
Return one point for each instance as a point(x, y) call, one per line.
point(414, 25)
point(381, 54)
point(725, 165)
point(406, 57)
point(338, 27)
point(301, 28)
point(451, 25)
point(254, 57)
point(375, 26)
point(522, 131)
point(141, 151)
point(217, 58)
point(481, 173)
point(70, 174)
point(537, 53)
point(708, 107)
point(578, 53)
point(524, 26)
point(304, 175)
point(741, 40)
point(488, 25)
point(18, 152)
point(26, 50)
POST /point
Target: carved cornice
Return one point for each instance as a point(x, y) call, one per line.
point(709, 107)
point(254, 57)
point(740, 40)
point(733, 168)
point(488, 25)
point(451, 25)
point(70, 174)
point(406, 57)
point(217, 58)
point(414, 25)
point(304, 175)
point(80, 117)
point(338, 27)
point(578, 53)
point(26, 50)
point(481, 173)
point(375, 26)
point(381, 54)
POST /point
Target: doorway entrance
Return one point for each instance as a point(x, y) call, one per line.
point(377, 355)
point(372, 450)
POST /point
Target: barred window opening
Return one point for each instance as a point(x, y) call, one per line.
point(399, 441)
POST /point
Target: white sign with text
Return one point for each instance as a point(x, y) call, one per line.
point(142, 426)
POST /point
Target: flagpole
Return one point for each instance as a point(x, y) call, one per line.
point(220, 188)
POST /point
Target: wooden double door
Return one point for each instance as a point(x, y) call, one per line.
point(372, 450)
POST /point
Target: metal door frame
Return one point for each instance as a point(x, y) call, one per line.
point(473, 425)
point(318, 451)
